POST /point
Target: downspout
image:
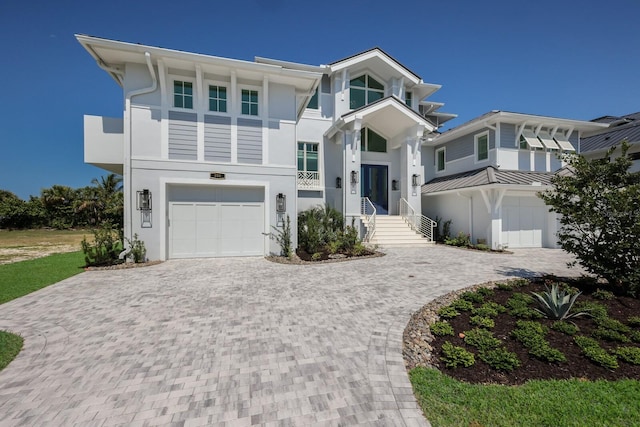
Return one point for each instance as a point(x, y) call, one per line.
point(128, 219)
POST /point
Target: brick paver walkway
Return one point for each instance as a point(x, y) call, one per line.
point(234, 342)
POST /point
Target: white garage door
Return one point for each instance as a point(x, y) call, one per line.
point(199, 230)
point(524, 222)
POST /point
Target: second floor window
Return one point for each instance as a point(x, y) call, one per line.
point(307, 157)
point(408, 98)
point(218, 98)
point(364, 90)
point(250, 102)
point(440, 159)
point(482, 147)
point(182, 94)
point(313, 103)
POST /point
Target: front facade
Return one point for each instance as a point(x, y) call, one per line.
point(215, 153)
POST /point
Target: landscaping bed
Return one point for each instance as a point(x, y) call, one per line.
point(592, 357)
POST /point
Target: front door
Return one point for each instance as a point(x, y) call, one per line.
point(375, 185)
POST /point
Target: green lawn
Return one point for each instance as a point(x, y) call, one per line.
point(24, 277)
point(557, 403)
point(10, 346)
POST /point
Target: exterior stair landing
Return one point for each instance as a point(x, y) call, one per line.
point(393, 232)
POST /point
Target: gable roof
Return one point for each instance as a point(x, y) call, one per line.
point(375, 51)
point(620, 128)
point(486, 176)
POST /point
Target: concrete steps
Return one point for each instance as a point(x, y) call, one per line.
point(393, 232)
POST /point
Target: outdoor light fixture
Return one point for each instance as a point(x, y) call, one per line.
point(144, 200)
point(394, 185)
point(354, 177)
point(415, 180)
point(281, 203)
point(338, 182)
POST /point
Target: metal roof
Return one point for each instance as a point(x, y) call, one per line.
point(486, 176)
point(621, 128)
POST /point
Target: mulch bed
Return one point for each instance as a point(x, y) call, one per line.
point(122, 266)
point(302, 257)
point(421, 348)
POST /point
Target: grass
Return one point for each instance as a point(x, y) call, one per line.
point(21, 278)
point(10, 346)
point(555, 403)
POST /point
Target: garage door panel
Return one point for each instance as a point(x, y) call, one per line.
point(523, 222)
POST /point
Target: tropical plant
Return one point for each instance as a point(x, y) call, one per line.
point(283, 237)
point(105, 248)
point(138, 252)
point(556, 303)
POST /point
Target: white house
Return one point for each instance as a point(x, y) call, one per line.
point(215, 152)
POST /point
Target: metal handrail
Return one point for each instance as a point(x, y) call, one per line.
point(368, 210)
point(416, 221)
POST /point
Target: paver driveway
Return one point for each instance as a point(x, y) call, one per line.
point(234, 342)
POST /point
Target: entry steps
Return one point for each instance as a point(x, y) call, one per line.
point(392, 231)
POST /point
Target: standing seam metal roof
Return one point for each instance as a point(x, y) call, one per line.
point(486, 176)
point(614, 135)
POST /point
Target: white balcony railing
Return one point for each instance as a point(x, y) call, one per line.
point(309, 180)
point(416, 221)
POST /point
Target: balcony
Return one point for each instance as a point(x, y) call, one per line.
point(104, 142)
point(309, 181)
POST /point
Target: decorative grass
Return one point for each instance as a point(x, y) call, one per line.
point(21, 278)
point(558, 403)
point(10, 346)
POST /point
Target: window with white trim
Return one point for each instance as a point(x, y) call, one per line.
point(249, 102)
point(218, 98)
point(440, 159)
point(307, 157)
point(408, 98)
point(372, 141)
point(313, 103)
point(364, 90)
point(182, 94)
point(482, 146)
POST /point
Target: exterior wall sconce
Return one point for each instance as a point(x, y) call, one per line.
point(394, 185)
point(354, 177)
point(281, 203)
point(415, 180)
point(144, 205)
point(338, 182)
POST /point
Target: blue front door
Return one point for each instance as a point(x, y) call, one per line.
point(374, 185)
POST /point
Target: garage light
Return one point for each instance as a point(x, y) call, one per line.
point(144, 200)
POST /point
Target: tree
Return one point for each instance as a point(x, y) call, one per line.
point(599, 203)
point(13, 211)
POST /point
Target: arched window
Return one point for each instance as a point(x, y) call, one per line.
point(364, 90)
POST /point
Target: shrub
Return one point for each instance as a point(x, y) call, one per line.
point(483, 322)
point(603, 295)
point(482, 247)
point(454, 356)
point(462, 305)
point(612, 324)
point(531, 335)
point(504, 286)
point(500, 359)
point(518, 283)
point(592, 350)
point(317, 256)
point(472, 296)
point(441, 329)
point(462, 239)
point(635, 336)
point(104, 249)
point(518, 305)
point(489, 309)
point(565, 327)
point(556, 303)
point(283, 237)
point(609, 335)
point(481, 339)
point(595, 309)
point(440, 235)
point(633, 320)
point(138, 251)
point(485, 292)
point(317, 227)
point(448, 312)
point(628, 354)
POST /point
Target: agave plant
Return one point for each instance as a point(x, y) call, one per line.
point(556, 303)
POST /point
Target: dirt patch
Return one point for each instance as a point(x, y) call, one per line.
point(15, 254)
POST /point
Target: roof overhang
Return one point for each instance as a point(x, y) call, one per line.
point(383, 64)
point(388, 116)
point(534, 188)
point(112, 56)
point(518, 119)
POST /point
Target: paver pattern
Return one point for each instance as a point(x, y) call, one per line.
point(235, 342)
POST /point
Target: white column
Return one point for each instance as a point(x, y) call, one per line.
point(164, 111)
point(235, 110)
point(265, 120)
point(200, 107)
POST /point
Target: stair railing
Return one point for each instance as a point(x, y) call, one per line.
point(416, 221)
point(368, 210)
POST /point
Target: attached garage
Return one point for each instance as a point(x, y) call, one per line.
point(524, 222)
point(215, 222)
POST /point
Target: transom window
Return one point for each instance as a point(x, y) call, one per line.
point(364, 90)
point(313, 103)
point(182, 94)
point(482, 147)
point(218, 98)
point(523, 143)
point(408, 98)
point(440, 159)
point(307, 157)
point(371, 141)
point(250, 102)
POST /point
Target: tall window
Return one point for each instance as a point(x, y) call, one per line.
point(364, 90)
point(482, 147)
point(313, 103)
point(371, 141)
point(307, 157)
point(250, 102)
point(182, 94)
point(408, 98)
point(218, 98)
point(440, 159)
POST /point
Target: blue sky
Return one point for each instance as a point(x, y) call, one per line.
point(572, 59)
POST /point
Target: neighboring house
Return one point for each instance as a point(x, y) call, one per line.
point(619, 129)
point(216, 152)
point(484, 176)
